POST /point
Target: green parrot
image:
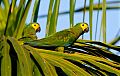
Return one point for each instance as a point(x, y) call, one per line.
point(29, 32)
point(62, 38)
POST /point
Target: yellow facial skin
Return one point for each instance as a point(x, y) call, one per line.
point(84, 27)
point(36, 26)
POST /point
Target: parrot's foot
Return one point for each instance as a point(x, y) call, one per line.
point(60, 49)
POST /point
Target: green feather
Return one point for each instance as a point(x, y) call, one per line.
point(62, 38)
point(28, 34)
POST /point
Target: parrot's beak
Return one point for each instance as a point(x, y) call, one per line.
point(38, 30)
point(86, 30)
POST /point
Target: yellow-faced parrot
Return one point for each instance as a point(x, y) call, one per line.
point(29, 32)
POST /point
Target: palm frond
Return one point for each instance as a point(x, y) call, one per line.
point(84, 57)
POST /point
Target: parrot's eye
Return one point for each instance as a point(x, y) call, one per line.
point(82, 24)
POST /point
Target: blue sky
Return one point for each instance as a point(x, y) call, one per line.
point(113, 17)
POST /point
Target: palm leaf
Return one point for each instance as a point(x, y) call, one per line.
point(49, 17)
point(72, 7)
point(104, 20)
point(23, 58)
point(6, 60)
point(100, 43)
point(42, 62)
point(54, 17)
point(84, 57)
point(35, 11)
point(22, 23)
point(91, 17)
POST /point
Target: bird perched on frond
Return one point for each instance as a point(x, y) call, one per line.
point(29, 32)
point(62, 38)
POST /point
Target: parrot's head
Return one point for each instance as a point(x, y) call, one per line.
point(84, 27)
point(36, 26)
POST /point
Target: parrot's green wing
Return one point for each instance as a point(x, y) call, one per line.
point(58, 39)
point(63, 38)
